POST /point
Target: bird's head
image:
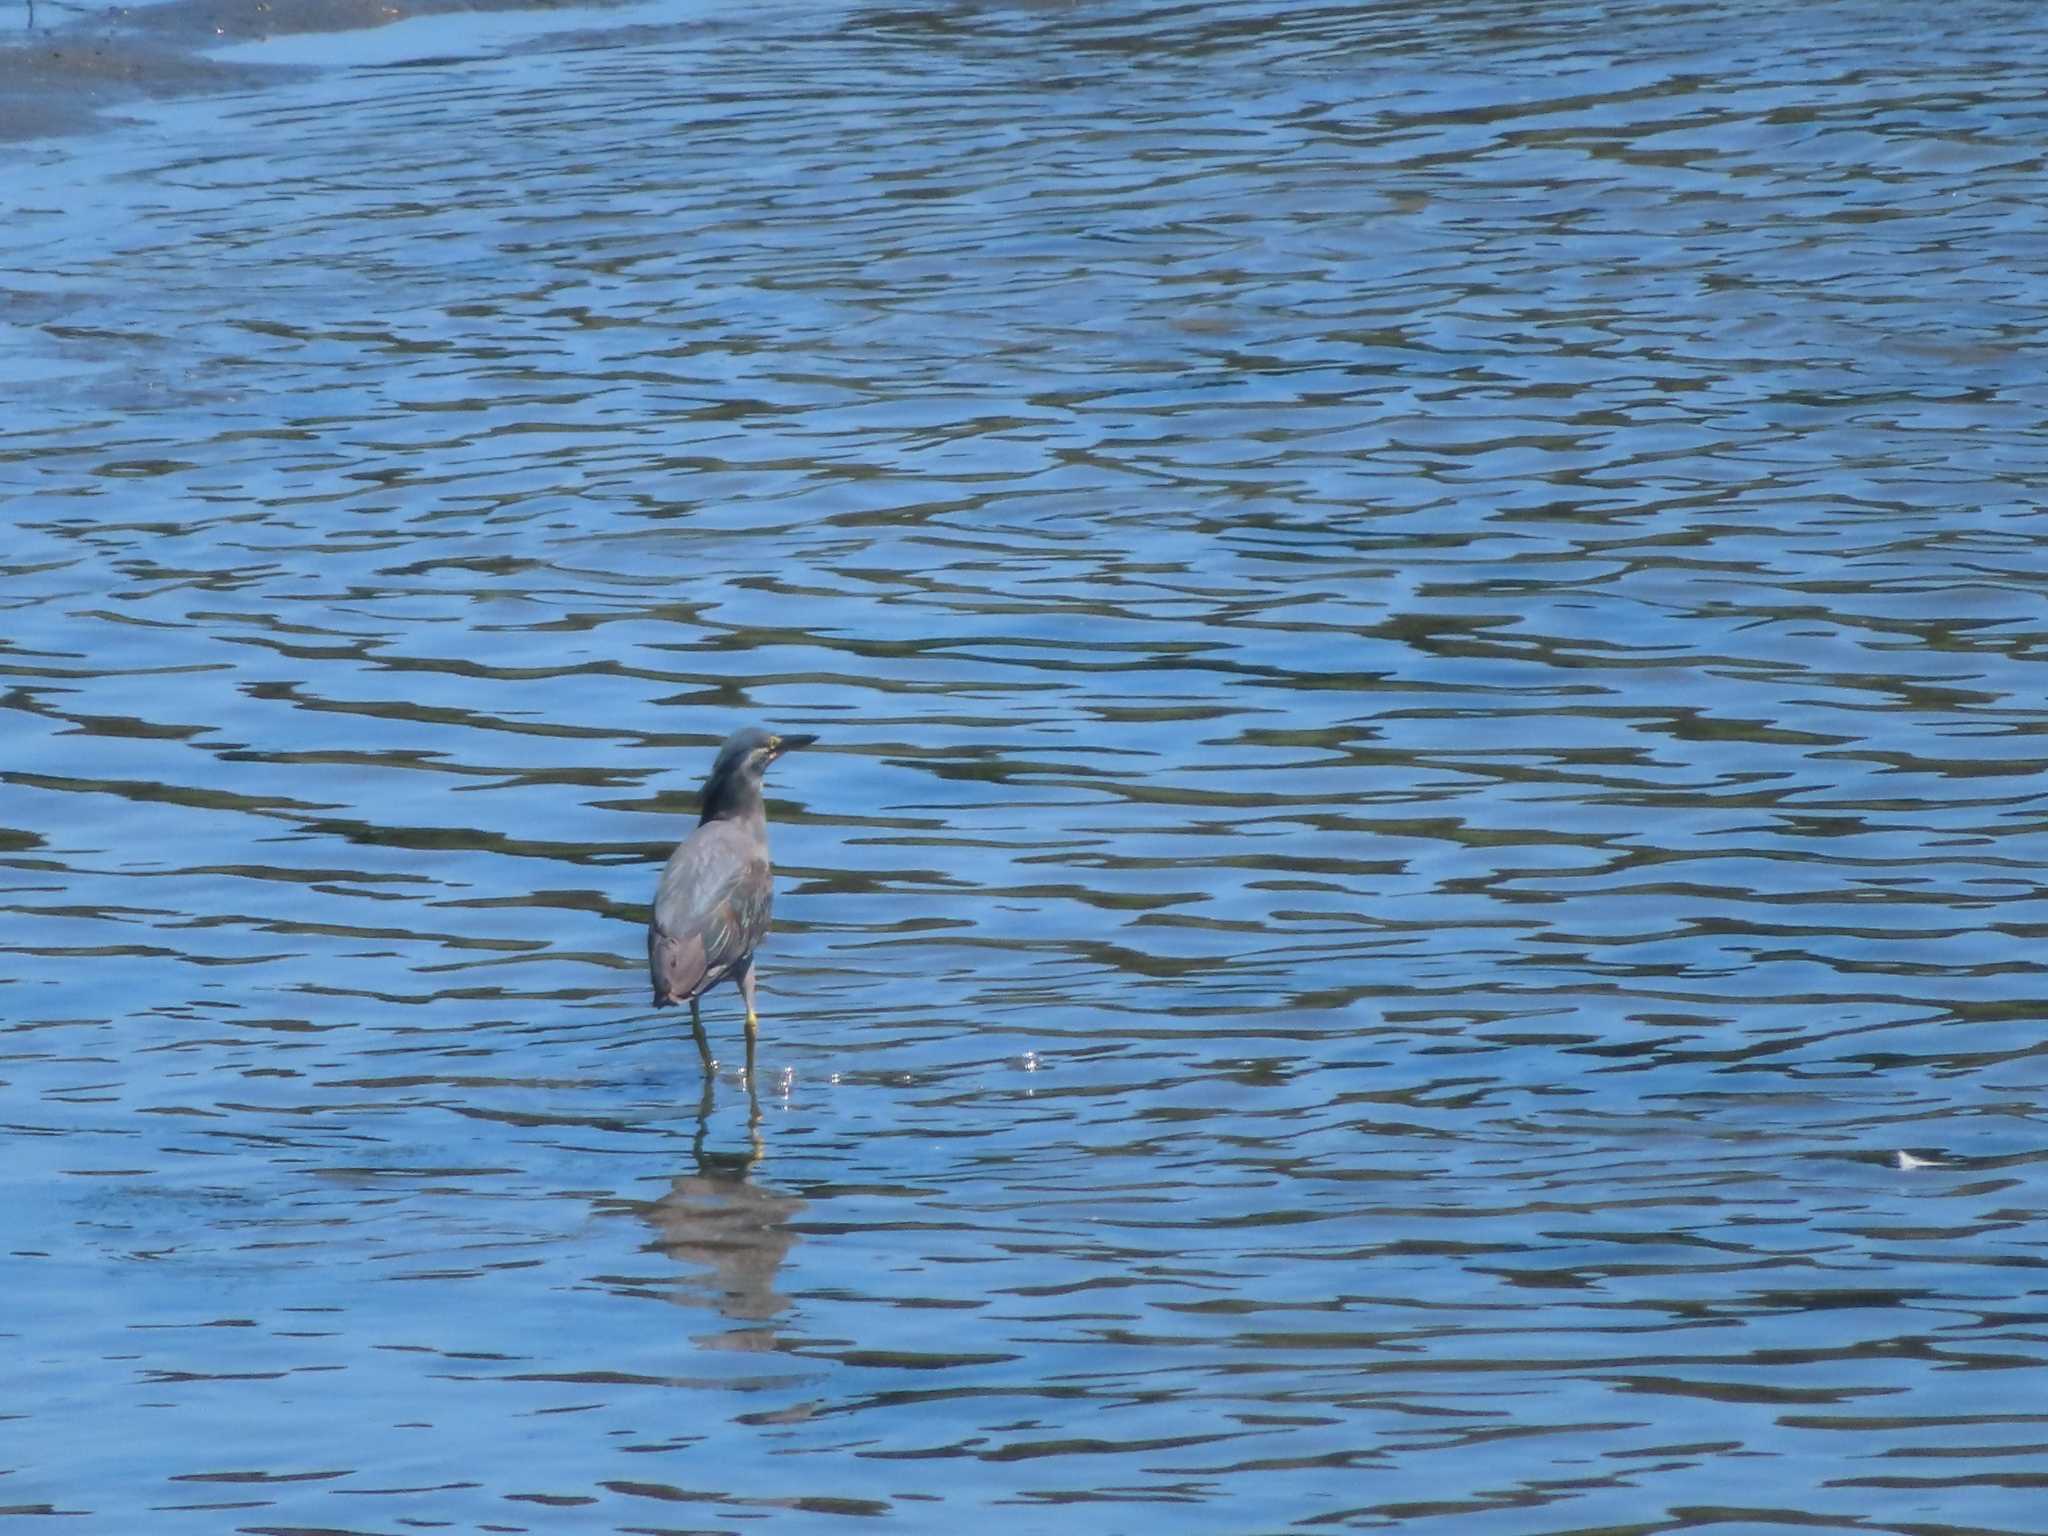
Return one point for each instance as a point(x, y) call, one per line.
point(734, 788)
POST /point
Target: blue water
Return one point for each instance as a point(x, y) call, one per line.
point(1419, 905)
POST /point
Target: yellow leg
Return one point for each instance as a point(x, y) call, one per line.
point(697, 1029)
point(753, 1019)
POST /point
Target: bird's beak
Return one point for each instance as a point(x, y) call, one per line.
point(780, 744)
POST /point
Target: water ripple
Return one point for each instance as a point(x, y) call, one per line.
point(1419, 897)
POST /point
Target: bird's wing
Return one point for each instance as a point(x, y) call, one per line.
point(710, 911)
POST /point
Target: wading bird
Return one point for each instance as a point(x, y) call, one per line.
point(711, 909)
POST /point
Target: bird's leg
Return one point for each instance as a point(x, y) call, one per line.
point(697, 1029)
point(753, 1020)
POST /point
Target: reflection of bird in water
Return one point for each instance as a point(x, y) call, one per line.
point(718, 1219)
point(711, 910)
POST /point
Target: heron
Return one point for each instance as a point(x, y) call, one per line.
point(712, 907)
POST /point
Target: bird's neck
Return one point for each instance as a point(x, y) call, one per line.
point(732, 799)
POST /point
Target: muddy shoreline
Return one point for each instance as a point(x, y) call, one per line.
point(66, 70)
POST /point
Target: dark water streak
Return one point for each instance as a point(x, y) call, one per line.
point(1424, 626)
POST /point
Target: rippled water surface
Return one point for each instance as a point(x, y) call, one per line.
point(1427, 628)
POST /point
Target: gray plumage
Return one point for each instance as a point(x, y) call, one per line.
point(717, 892)
point(711, 910)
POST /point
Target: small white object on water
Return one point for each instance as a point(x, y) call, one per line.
point(1906, 1160)
point(1030, 1061)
